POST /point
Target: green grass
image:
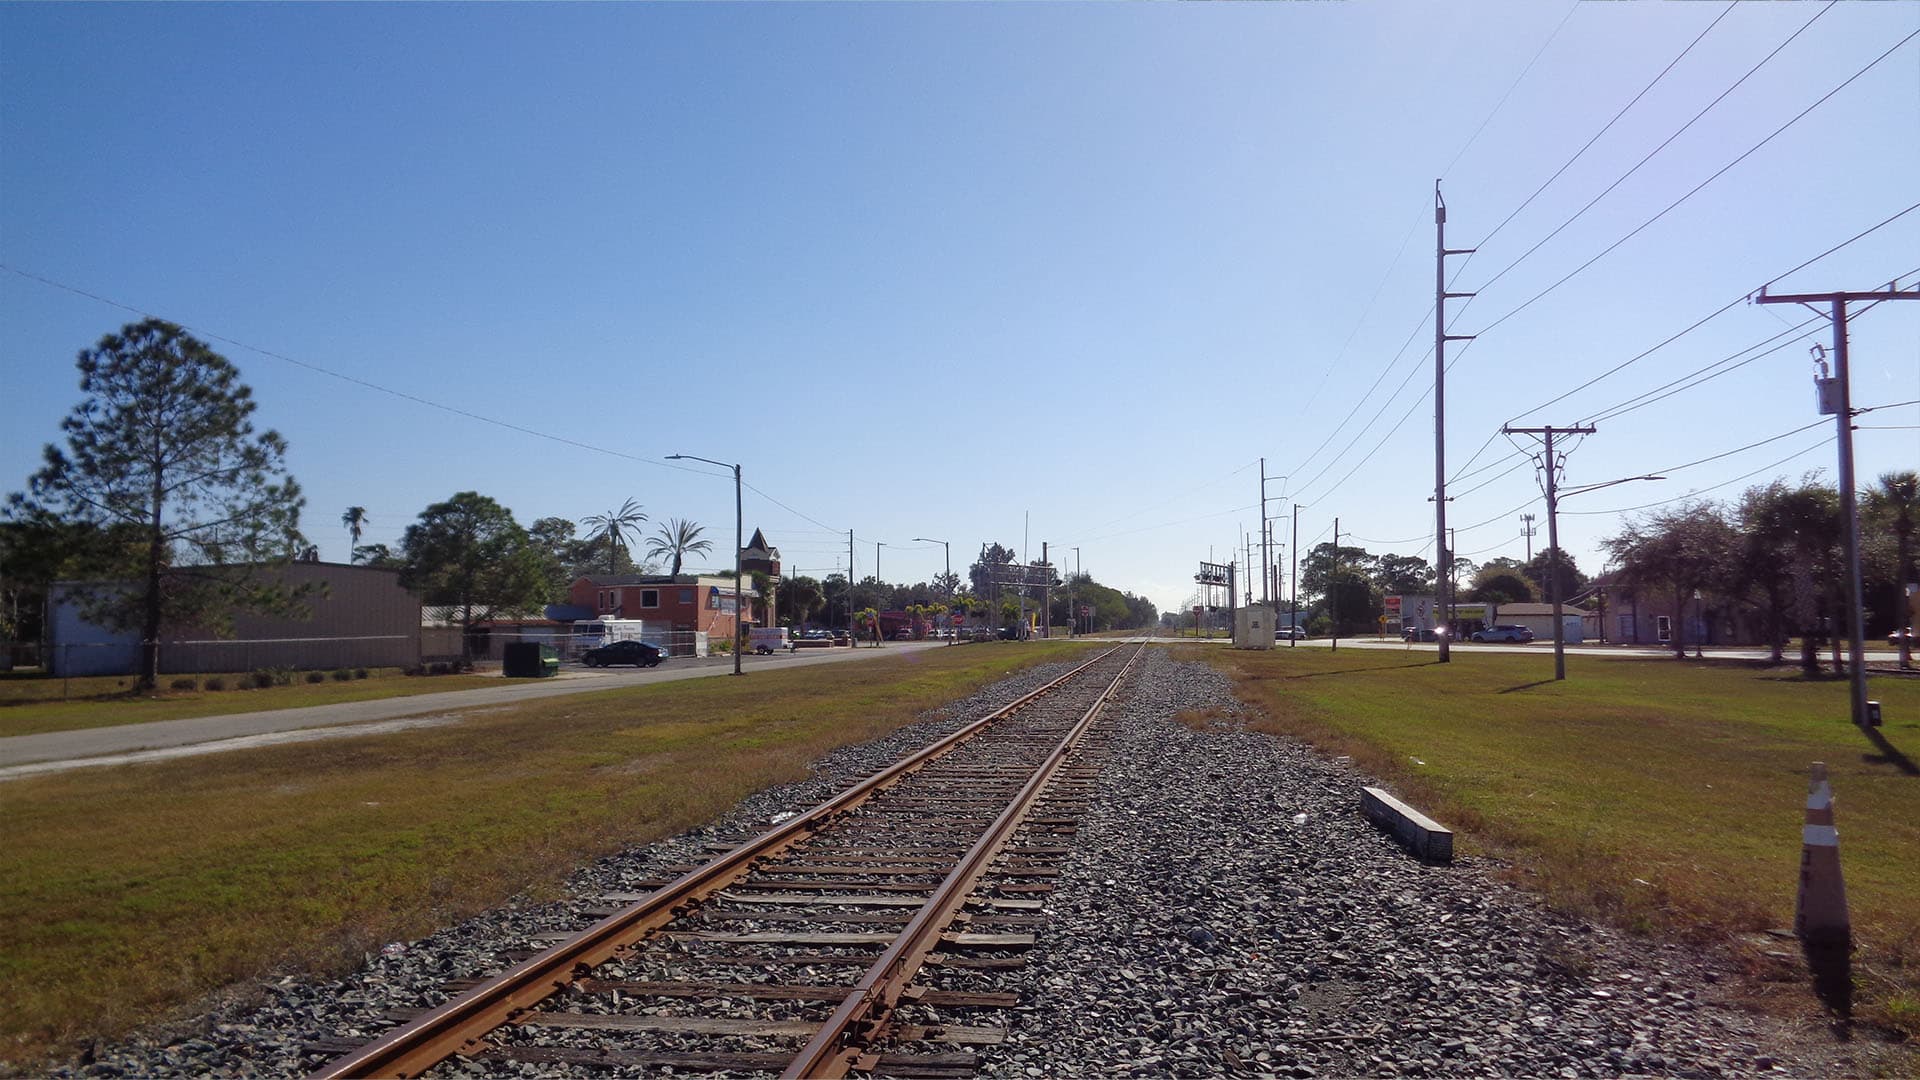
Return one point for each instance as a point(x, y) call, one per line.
point(1654, 794)
point(30, 706)
point(127, 892)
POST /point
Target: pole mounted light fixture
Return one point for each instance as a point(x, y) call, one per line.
point(739, 521)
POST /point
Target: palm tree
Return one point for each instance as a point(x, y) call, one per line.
point(614, 527)
point(678, 539)
point(355, 519)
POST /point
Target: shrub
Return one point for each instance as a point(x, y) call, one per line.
point(181, 684)
point(216, 683)
point(416, 669)
point(316, 676)
point(359, 673)
point(262, 678)
point(440, 667)
point(342, 675)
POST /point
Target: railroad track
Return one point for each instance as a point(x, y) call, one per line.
point(845, 939)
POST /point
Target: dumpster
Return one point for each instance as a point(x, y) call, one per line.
point(528, 660)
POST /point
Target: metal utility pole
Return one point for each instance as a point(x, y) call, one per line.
point(1527, 529)
point(1046, 595)
point(1293, 635)
point(1842, 408)
point(850, 638)
point(1553, 535)
point(739, 544)
point(1440, 339)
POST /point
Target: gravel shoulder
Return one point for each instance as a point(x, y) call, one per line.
point(1227, 911)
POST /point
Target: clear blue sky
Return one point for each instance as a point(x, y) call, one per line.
point(925, 269)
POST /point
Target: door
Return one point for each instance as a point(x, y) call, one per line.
point(1664, 625)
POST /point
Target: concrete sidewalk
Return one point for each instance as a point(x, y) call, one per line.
point(23, 755)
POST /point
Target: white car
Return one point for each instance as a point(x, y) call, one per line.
point(1505, 632)
point(1284, 633)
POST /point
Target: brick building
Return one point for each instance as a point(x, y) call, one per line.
point(701, 602)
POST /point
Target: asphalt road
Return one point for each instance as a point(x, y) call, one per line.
point(26, 755)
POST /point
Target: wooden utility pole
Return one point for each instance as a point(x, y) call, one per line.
point(1842, 409)
point(1553, 536)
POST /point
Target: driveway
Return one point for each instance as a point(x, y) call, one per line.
point(26, 755)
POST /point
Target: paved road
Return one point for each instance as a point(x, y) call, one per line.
point(24, 755)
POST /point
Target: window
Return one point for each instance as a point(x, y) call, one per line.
point(606, 599)
point(1663, 626)
point(649, 598)
point(686, 597)
point(1626, 627)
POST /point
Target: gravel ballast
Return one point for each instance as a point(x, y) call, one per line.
point(1226, 910)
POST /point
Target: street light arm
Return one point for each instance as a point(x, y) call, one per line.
point(1583, 489)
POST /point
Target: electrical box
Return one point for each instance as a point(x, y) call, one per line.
point(1828, 392)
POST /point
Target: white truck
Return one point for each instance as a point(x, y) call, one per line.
point(767, 640)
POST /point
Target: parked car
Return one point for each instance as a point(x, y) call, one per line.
point(903, 634)
point(1504, 632)
point(637, 653)
point(811, 639)
point(1417, 633)
point(1893, 639)
point(841, 637)
point(1289, 633)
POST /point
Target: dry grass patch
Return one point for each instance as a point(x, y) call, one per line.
point(1653, 794)
point(131, 891)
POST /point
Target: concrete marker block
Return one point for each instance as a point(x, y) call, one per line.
point(1426, 838)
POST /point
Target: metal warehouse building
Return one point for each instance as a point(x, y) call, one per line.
point(358, 617)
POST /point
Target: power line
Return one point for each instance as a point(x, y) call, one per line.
point(1728, 306)
point(1669, 140)
point(1824, 440)
point(1608, 126)
point(1697, 188)
point(401, 394)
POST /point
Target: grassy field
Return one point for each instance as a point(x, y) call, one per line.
point(1653, 794)
point(35, 704)
point(127, 892)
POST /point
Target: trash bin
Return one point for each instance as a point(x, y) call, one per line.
point(529, 660)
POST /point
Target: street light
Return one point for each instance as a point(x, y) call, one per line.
point(1553, 563)
point(947, 551)
point(739, 519)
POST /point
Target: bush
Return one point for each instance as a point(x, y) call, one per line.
point(440, 667)
point(261, 679)
point(417, 669)
point(216, 683)
point(342, 675)
point(182, 684)
point(359, 673)
point(316, 676)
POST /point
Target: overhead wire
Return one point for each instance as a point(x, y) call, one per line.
point(368, 384)
point(1663, 145)
point(1697, 188)
point(1608, 126)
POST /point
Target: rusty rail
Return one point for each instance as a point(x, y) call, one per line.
point(460, 1025)
point(835, 1051)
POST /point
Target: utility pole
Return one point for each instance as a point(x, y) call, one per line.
point(1842, 408)
point(850, 638)
point(1293, 636)
point(1527, 529)
point(1046, 594)
point(1440, 339)
point(1553, 535)
point(1073, 613)
point(1333, 587)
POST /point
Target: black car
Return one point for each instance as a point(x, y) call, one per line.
point(637, 653)
point(1416, 633)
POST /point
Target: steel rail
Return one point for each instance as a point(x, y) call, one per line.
point(836, 1049)
point(459, 1025)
